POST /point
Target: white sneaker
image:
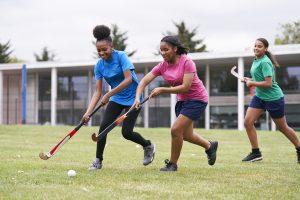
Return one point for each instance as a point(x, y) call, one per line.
point(149, 152)
point(97, 164)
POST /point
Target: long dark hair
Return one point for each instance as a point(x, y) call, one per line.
point(102, 32)
point(268, 53)
point(174, 41)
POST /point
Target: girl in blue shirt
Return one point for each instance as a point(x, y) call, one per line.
point(117, 70)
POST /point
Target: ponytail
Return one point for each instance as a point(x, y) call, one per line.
point(268, 53)
point(174, 41)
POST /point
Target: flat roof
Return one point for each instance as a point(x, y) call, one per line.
point(284, 53)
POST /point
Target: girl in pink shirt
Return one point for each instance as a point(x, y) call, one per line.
point(180, 73)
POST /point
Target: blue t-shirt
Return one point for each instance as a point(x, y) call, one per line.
point(112, 70)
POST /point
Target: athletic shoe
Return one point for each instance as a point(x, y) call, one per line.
point(149, 152)
point(298, 155)
point(212, 152)
point(252, 157)
point(170, 167)
point(97, 164)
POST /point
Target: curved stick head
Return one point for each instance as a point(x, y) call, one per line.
point(44, 156)
point(233, 69)
point(94, 137)
point(234, 73)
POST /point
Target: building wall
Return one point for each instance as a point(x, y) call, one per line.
point(73, 96)
point(32, 103)
point(12, 99)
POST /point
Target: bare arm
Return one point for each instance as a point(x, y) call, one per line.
point(143, 83)
point(95, 98)
point(265, 84)
point(183, 88)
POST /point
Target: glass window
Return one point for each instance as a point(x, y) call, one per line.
point(159, 116)
point(201, 73)
point(293, 115)
point(288, 79)
point(72, 87)
point(224, 117)
point(44, 87)
point(44, 113)
point(222, 83)
point(72, 98)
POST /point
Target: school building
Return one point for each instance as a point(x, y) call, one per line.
point(59, 92)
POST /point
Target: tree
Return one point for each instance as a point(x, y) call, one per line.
point(46, 55)
point(16, 60)
point(118, 40)
point(290, 33)
point(186, 37)
point(5, 52)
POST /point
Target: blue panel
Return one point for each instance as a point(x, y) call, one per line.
point(24, 93)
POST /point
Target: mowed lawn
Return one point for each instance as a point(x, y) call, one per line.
point(23, 175)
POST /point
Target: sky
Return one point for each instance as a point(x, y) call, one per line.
point(65, 26)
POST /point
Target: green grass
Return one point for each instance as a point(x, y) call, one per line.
point(23, 175)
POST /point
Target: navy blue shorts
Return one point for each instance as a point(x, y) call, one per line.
point(190, 108)
point(275, 108)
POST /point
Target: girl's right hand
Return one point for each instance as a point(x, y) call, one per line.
point(85, 119)
point(248, 81)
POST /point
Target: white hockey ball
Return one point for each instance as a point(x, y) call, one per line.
point(71, 173)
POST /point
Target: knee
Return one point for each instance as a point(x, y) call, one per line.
point(176, 132)
point(248, 123)
point(126, 133)
point(282, 128)
point(185, 138)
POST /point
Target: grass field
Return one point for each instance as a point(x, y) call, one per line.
point(23, 175)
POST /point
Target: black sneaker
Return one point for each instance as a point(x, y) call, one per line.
point(97, 164)
point(252, 157)
point(212, 152)
point(149, 152)
point(298, 155)
point(170, 167)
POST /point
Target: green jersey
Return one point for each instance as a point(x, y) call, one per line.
point(260, 69)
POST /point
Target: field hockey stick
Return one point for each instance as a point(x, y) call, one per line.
point(115, 123)
point(233, 72)
point(46, 156)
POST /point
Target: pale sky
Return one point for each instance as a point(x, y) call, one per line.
point(65, 26)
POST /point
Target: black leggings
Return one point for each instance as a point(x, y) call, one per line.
point(112, 112)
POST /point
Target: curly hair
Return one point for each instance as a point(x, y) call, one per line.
point(102, 32)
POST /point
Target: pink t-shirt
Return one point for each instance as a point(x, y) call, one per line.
point(173, 75)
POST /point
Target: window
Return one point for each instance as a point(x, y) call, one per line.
point(288, 79)
point(222, 83)
point(293, 115)
point(224, 117)
point(44, 99)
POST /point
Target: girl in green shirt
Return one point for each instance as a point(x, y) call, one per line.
point(268, 96)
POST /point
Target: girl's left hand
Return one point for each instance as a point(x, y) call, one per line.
point(156, 91)
point(105, 99)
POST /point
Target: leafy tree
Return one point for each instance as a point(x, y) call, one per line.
point(5, 52)
point(16, 60)
point(46, 55)
point(118, 40)
point(186, 37)
point(290, 33)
